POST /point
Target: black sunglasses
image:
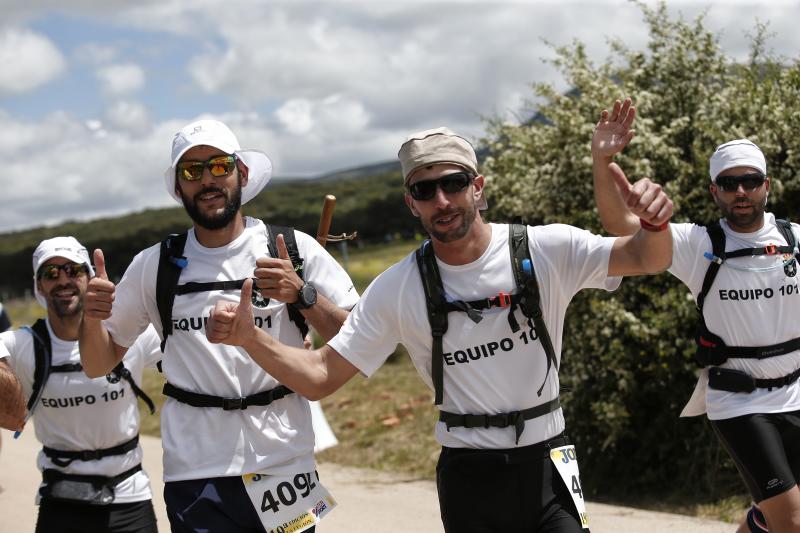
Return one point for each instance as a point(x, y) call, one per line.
point(426, 189)
point(749, 182)
point(72, 270)
point(219, 166)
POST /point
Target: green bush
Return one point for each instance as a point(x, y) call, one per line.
point(627, 355)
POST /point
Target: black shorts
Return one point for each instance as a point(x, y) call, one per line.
point(76, 517)
point(766, 450)
point(515, 490)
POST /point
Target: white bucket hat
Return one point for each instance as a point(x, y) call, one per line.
point(66, 247)
point(738, 153)
point(214, 133)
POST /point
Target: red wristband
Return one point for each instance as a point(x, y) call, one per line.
point(652, 227)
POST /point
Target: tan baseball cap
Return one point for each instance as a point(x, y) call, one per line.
point(438, 145)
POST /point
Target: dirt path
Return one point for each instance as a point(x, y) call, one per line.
point(368, 501)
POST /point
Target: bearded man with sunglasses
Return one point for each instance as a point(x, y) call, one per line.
point(238, 444)
point(742, 272)
point(506, 463)
point(89, 428)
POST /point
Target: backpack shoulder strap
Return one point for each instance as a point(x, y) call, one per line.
point(717, 236)
point(525, 276)
point(785, 227)
point(298, 262)
point(43, 360)
point(170, 263)
point(437, 313)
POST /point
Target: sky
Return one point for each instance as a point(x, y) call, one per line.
point(93, 91)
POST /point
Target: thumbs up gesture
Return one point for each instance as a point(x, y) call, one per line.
point(644, 198)
point(232, 323)
point(275, 276)
point(99, 297)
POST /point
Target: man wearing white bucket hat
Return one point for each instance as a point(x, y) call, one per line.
point(92, 478)
point(742, 273)
point(238, 445)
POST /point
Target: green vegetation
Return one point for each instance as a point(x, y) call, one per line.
point(628, 356)
point(372, 205)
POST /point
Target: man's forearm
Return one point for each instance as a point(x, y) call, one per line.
point(614, 214)
point(12, 402)
point(325, 317)
point(99, 353)
point(646, 252)
point(311, 373)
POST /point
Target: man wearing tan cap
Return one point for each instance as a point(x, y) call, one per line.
point(742, 272)
point(484, 332)
point(238, 443)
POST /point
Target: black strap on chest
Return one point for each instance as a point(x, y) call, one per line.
point(196, 399)
point(439, 305)
point(171, 262)
point(43, 367)
point(516, 419)
point(711, 349)
point(63, 458)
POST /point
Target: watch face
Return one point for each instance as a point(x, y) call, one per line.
point(307, 295)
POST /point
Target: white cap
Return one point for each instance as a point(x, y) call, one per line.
point(738, 153)
point(66, 247)
point(214, 133)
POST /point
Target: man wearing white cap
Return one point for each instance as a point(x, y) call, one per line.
point(238, 444)
point(480, 308)
point(742, 272)
point(92, 479)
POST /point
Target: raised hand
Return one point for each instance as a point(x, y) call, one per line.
point(232, 323)
point(275, 276)
point(644, 198)
point(613, 132)
point(99, 297)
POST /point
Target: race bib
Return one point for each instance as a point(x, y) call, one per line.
point(288, 504)
point(566, 462)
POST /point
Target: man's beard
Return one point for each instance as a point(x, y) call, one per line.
point(63, 309)
point(744, 220)
point(217, 220)
point(453, 234)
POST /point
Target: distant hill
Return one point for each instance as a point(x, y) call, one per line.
point(369, 200)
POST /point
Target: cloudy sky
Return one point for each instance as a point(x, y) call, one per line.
point(92, 91)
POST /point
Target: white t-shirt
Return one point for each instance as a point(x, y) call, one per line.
point(487, 368)
point(209, 442)
point(76, 412)
point(744, 309)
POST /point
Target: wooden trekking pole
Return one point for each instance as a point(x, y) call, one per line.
point(325, 219)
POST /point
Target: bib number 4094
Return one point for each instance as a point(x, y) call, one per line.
point(288, 503)
point(288, 492)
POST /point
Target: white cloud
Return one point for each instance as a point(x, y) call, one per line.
point(95, 53)
point(121, 79)
point(28, 59)
point(130, 116)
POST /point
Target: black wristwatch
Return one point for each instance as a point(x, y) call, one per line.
point(306, 297)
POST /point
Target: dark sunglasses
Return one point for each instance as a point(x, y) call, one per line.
point(426, 189)
point(219, 166)
point(749, 182)
point(72, 270)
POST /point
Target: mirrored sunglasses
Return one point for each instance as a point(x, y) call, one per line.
point(218, 166)
point(426, 189)
point(72, 270)
point(749, 182)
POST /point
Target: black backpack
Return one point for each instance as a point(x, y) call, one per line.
point(526, 297)
point(43, 367)
point(171, 261)
point(711, 349)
